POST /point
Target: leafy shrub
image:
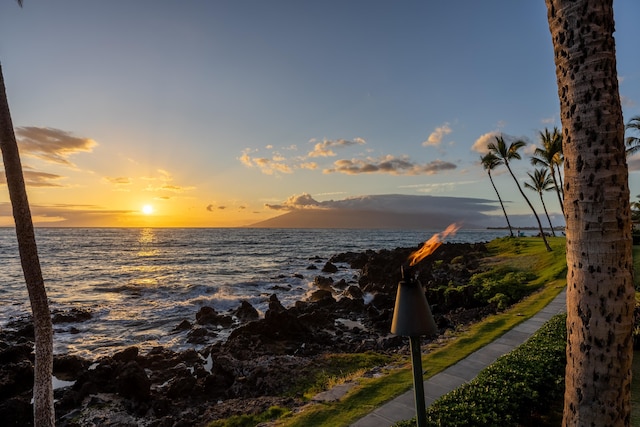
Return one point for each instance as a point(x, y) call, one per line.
point(524, 381)
point(460, 259)
point(514, 285)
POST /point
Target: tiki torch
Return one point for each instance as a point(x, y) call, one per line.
point(412, 317)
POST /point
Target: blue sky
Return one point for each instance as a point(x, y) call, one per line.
point(215, 112)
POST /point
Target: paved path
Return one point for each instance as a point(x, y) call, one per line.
point(403, 406)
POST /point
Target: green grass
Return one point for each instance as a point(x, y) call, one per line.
point(526, 254)
point(251, 420)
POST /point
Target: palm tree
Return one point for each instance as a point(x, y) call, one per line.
point(43, 330)
point(633, 142)
point(490, 161)
point(600, 293)
point(505, 154)
point(550, 156)
point(540, 181)
point(635, 210)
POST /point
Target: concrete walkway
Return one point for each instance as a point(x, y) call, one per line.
point(403, 407)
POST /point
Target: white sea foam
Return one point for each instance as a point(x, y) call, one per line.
point(139, 284)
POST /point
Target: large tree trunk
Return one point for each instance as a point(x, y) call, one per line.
point(42, 389)
point(600, 294)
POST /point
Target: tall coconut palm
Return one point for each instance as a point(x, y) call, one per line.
point(540, 182)
point(600, 293)
point(43, 406)
point(550, 156)
point(506, 154)
point(490, 161)
point(633, 142)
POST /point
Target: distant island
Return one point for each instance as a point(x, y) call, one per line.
point(365, 219)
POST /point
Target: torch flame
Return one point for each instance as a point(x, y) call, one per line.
point(432, 244)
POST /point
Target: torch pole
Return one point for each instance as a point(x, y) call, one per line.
point(418, 385)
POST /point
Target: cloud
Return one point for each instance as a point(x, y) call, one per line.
point(626, 101)
point(441, 187)
point(308, 165)
point(63, 214)
point(436, 136)
point(119, 180)
point(481, 143)
point(634, 163)
point(390, 165)
point(323, 149)
point(302, 201)
point(168, 187)
point(52, 145)
point(268, 166)
point(36, 179)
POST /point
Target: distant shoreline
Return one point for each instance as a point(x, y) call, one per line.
point(561, 228)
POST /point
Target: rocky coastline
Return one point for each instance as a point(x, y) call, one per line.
point(250, 371)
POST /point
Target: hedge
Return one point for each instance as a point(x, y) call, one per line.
point(508, 392)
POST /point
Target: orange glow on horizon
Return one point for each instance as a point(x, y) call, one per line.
point(432, 244)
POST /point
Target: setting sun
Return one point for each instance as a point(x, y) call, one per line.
point(147, 209)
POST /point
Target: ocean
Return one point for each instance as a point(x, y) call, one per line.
point(140, 283)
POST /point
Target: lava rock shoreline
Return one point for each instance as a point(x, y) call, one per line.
point(250, 371)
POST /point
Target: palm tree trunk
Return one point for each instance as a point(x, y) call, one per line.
point(547, 214)
point(544, 238)
point(42, 389)
point(600, 293)
point(558, 188)
point(501, 204)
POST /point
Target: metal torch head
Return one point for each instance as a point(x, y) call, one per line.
point(412, 314)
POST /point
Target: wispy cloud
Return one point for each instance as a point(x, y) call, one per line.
point(324, 148)
point(440, 187)
point(52, 145)
point(163, 182)
point(268, 166)
point(389, 165)
point(76, 214)
point(34, 178)
point(119, 180)
point(435, 138)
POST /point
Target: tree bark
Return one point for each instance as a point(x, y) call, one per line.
point(43, 389)
point(600, 293)
point(544, 207)
point(501, 204)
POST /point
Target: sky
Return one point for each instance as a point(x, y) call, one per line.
point(227, 113)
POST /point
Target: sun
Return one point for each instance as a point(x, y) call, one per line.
point(147, 209)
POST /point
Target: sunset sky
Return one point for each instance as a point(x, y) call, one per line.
point(227, 113)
